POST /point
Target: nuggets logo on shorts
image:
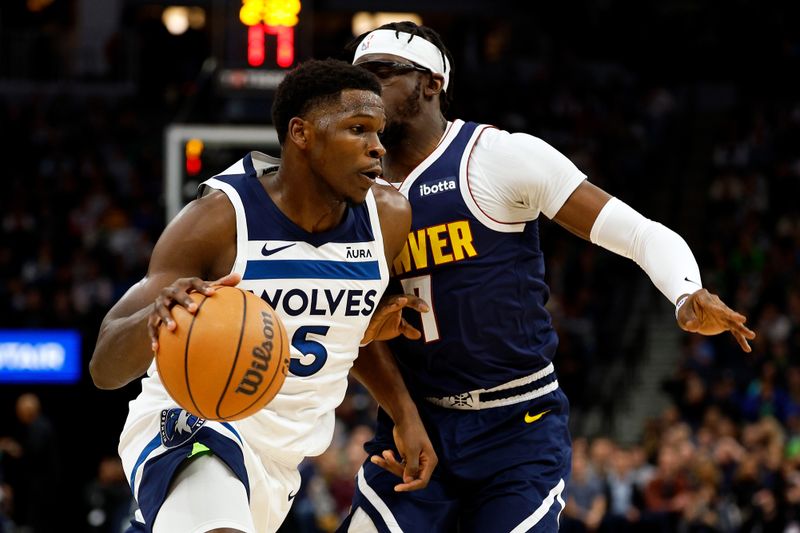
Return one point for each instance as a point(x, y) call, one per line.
point(460, 400)
point(178, 426)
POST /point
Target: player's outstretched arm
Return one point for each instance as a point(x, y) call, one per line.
point(377, 370)
point(593, 214)
point(191, 248)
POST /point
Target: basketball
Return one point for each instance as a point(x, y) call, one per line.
point(226, 361)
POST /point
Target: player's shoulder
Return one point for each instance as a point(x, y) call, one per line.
point(494, 139)
point(389, 201)
point(211, 214)
point(394, 212)
point(501, 149)
point(214, 201)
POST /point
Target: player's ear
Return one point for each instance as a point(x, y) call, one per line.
point(434, 85)
point(299, 132)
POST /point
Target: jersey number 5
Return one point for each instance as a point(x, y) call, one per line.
point(314, 353)
point(421, 287)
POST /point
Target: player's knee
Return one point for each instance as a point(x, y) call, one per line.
point(205, 496)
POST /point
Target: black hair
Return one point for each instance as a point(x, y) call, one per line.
point(424, 32)
point(315, 83)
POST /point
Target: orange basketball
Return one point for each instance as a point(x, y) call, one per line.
point(226, 361)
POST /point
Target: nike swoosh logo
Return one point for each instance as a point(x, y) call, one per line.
point(266, 251)
point(692, 281)
point(531, 419)
point(291, 496)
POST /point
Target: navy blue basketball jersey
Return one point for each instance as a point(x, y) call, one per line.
point(484, 280)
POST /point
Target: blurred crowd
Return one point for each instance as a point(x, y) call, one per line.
point(83, 206)
point(80, 216)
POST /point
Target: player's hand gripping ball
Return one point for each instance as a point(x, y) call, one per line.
point(226, 361)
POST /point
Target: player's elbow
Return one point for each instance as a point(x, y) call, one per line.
point(106, 368)
point(101, 378)
point(105, 372)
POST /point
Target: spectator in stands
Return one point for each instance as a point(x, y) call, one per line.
point(586, 502)
point(41, 463)
point(108, 498)
point(624, 497)
point(667, 493)
point(765, 396)
point(701, 513)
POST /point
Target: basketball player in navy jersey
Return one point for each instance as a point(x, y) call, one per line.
point(482, 376)
point(314, 236)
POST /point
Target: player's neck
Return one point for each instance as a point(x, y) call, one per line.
point(421, 139)
point(310, 208)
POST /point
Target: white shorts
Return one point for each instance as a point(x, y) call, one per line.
point(204, 495)
point(168, 490)
point(361, 523)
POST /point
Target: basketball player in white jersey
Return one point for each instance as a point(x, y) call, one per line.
point(311, 234)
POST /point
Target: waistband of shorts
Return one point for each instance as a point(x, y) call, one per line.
point(515, 391)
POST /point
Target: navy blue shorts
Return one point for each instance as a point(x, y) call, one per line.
point(502, 469)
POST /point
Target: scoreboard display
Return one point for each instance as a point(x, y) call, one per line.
point(273, 18)
point(263, 39)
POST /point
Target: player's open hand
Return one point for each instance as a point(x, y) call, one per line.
point(178, 294)
point(706, 314)
point(387, 321)
point(417, 457)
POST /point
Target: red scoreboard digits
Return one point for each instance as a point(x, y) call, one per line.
point(270, 17)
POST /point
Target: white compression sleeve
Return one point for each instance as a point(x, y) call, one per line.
point(662, 253)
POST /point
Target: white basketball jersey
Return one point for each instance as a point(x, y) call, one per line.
point(325, 287)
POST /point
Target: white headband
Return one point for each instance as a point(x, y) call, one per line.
point(412, 47)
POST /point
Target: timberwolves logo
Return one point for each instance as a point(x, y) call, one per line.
point(178, 426)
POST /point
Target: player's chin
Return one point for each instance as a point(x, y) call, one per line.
point(359, 199)
point(359, 195)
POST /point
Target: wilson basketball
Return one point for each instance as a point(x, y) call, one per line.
point(226, 361)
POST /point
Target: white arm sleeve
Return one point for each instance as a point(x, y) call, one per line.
point(662, 253)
